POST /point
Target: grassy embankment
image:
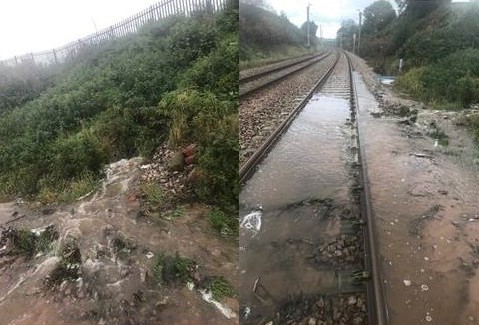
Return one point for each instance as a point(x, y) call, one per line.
point(266, 37)
point(175, 81)
point(441, 53)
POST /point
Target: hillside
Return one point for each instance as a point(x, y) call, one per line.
point(440, 49)
point(266, 35)
point(175, 82)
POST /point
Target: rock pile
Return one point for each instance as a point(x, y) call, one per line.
point(172, 169)
point(345, 249)
point(325, 310)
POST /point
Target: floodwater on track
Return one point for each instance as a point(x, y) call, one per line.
point(301, 192)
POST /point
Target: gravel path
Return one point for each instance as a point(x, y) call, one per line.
point(262, 112)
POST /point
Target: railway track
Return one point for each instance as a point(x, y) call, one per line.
point(358, 224)
point(251, 74)
point(252, 83)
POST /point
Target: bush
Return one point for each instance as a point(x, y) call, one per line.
point(454, 79)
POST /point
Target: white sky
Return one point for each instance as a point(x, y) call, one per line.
point(36, 25)
point(328, 13)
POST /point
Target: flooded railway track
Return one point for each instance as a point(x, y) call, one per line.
point(262, 111)
point(307, 250)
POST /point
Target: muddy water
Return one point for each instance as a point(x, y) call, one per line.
point(425, 205)
point(301, 190)
point(110, 283)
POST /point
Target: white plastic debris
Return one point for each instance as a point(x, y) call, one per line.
point(407, 283)
point(428, 318)
point(226, 311)
point(424, 287)
point(247, 312)
point(149, 255)
point(252, 221)
point(190, 286)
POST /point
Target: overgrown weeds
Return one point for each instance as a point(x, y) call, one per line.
point(174, 269)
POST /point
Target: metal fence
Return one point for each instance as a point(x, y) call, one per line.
point(128, 26)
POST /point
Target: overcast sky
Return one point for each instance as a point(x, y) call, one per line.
point(36, 25)
point(328, 13)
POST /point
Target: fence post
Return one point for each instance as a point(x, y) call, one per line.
point(55, 56)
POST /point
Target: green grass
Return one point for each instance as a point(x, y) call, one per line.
point(221, 222)
point(153, 193)
point(220, 288)
point(173, 269)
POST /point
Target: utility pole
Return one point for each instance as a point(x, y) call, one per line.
point(354, 43)
point(307, 22)
point(320, 34)
point(359, 36)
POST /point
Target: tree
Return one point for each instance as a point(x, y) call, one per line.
point(344, 35)
point(377, 16)
point(419, 8)
point(259, 3)
point(313, 28)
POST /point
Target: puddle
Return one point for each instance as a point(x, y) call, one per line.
point(304, 162)
point(386, 80)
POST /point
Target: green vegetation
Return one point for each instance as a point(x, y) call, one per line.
point(173, 269)
point(266, 37)
point(122, 247)
point(222, 223)
point(153, 193)
point(29, 243)
point(439, 42)
point(68, 266)
point(174, 81)
point(219, 287)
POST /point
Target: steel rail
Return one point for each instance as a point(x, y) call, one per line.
point(278, 68)
point(248, 168)
point(320, 57)
point(377, 308)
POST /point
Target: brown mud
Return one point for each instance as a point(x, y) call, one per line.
point(424, 182)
